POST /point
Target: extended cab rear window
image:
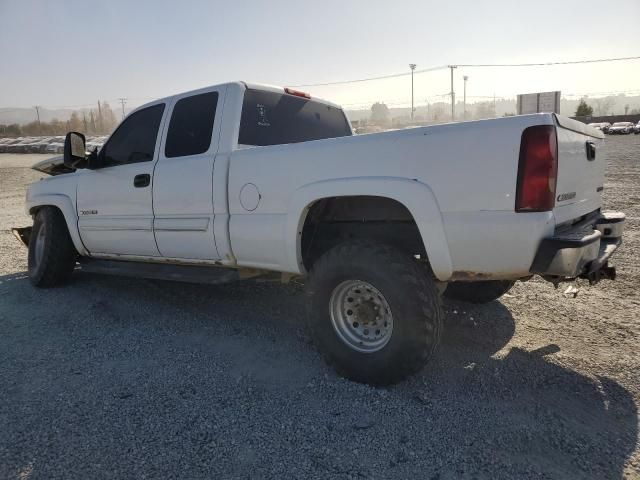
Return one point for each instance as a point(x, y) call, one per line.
point(191, 125)
point(272, 118)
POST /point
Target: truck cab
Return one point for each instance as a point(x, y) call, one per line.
point(151, 191)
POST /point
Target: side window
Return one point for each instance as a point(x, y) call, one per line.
point(135, 139)
point(191, 125)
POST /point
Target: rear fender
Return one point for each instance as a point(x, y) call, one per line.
point(417, 197)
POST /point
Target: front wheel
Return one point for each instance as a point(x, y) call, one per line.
point(52, 256)
point(478, 292)
point(375, 312)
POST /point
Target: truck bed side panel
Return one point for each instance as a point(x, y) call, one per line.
point(470, 167)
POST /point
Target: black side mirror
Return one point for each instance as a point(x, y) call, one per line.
point(74, 150)
point(95, 160)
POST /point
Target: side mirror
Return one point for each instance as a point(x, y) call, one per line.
point(74, 150)
point(95, 160)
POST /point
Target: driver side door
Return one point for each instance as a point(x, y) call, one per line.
point(115, 209)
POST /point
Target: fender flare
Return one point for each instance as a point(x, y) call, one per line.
point(65, 205)
point(416, 196)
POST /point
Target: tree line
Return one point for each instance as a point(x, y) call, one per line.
point(99, 121)
point(436, 112)
point(603, 105)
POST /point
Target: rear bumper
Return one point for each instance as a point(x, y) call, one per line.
point(582, 250)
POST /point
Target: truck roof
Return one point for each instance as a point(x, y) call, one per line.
point(241, 84)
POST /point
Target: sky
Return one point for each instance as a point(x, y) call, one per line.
point(72, 53)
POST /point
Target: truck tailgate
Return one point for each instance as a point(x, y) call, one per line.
point(581, 164)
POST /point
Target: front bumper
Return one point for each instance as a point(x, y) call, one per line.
point(581, 250)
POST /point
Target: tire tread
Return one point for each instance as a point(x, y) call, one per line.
point(423, 298)
point(59, 256)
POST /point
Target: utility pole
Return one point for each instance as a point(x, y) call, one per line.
point(464, 101)
point(100, 124)
point(412, 66)
point(495, 114)
point(122, 102)
point(453, 95)
point(37, 107)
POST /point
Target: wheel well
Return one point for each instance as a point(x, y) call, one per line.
point(334, 220)
point(33, 211)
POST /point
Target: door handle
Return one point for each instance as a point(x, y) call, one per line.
point(142, 180)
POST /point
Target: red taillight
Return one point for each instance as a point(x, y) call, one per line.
point(537, 170)
point(297, 93)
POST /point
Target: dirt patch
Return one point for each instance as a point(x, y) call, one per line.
point(112, 377)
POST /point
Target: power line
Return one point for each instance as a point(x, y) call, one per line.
point(564, 94)
point(397, 102)
point(403, 74)
point(544, 64)
point(613, 92)
point(368, 79)
point(468, 65)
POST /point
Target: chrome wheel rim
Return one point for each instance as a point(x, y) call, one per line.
point(361, 316)
point(39, 246)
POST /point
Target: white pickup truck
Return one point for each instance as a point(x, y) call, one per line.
point(239, 180)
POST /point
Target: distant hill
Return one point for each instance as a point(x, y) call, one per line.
point(26, 115)
point(441, 111)
point(23, 116)
point(614, 105)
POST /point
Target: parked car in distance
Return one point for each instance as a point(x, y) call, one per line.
point(636, 129)
point(96, 142)
point(39, 145)
point(22, 146)
point(4, 142)
point(621, 128)
point(380, 225)
point(56, 146)
point(6, 147)
point(602, 126)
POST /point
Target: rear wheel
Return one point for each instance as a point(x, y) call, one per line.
point(52, 256)
point(478, 292)
point(375, 312)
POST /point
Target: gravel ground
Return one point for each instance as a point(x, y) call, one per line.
point(120, 378)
